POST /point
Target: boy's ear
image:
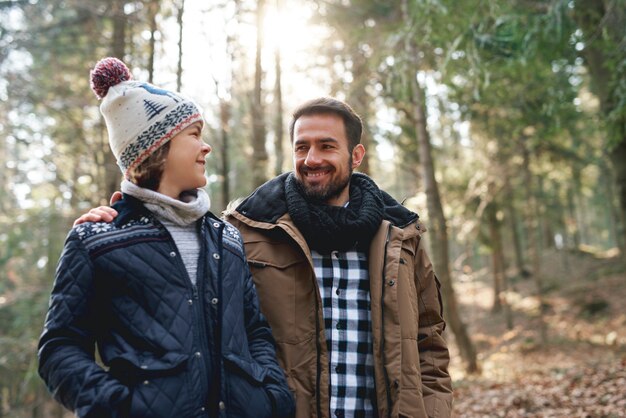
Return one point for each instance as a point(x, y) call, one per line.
point(115, 197)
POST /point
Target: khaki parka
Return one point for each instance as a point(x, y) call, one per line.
point(410, 356)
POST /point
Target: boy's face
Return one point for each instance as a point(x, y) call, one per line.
point(184, 164)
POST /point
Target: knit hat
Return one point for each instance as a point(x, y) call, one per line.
point(139, 117)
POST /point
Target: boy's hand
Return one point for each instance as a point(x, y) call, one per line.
point(100, 214)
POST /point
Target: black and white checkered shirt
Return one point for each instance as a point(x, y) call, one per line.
point(343, 280)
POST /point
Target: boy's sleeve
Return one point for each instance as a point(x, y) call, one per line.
point(434, 355)
point(67, 344)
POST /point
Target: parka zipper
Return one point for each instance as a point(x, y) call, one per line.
point(382, 324)
point(318, 347)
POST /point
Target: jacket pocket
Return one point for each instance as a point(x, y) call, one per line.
point(158, 385)
point(286, 288)
point(246, 394)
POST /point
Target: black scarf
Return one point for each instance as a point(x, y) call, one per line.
point(327, 228)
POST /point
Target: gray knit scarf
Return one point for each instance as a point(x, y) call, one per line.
point(192, 206)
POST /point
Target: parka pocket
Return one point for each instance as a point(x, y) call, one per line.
point(246, 394)
point(286, 288)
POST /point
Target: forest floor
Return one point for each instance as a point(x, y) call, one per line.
point(579, 372)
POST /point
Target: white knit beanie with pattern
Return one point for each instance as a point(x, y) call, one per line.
point(139, 117)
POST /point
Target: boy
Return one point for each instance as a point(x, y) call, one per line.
point(164, 291)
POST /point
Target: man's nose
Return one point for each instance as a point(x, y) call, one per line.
point(312, 158)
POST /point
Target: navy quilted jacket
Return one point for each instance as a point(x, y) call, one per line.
point(169, 348)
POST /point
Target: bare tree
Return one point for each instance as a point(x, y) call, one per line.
point(438, 228)
point(259, 157)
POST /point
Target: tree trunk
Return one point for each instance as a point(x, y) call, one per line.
point(618, 157)
point(534, 238)
point(118, 41)
point(112, 175)
point(496, 256)
point(614, 221)
point(278, 117)
point(572, 224)
point(580, 208)
point(5, 174)
point(500, 280)
point(545, 227)
point(360, 101)
point(179, 67)
point(602, 23)
point(513, 225)
point(259, 156)
point(441, 257)
point(224, 128)
point(153, 10)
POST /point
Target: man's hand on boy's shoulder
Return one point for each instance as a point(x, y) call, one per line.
point(101, 213)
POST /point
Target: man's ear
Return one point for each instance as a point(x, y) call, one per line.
point(357, 155)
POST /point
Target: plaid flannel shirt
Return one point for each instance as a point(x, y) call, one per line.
point(343, 280)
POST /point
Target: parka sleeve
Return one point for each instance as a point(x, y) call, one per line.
point(434, 355)
point(263, 349)
point(67, 344)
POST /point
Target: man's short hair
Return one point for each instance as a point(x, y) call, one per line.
point(149, 172)
point(352, 122)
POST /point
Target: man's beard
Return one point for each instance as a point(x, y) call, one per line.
point(322, 194)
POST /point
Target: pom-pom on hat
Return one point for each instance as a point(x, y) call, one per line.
point(139, 117)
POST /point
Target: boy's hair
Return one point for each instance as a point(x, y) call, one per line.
point(351, 121)
point(149, 172)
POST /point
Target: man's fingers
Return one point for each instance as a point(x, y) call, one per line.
point(106, 213)
point(102, 213)
point(87, 217)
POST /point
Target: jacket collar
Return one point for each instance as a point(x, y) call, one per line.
point(267, 204)
point(129, 208)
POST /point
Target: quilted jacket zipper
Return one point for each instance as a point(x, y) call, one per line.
point(217, 332)
point(197, 305)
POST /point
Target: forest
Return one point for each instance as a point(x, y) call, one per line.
point(502, 123)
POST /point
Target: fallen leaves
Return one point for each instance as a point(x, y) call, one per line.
point(592, 391)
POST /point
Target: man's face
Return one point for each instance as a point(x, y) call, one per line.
point(322, 162)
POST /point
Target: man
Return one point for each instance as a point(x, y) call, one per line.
point(344, 280)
